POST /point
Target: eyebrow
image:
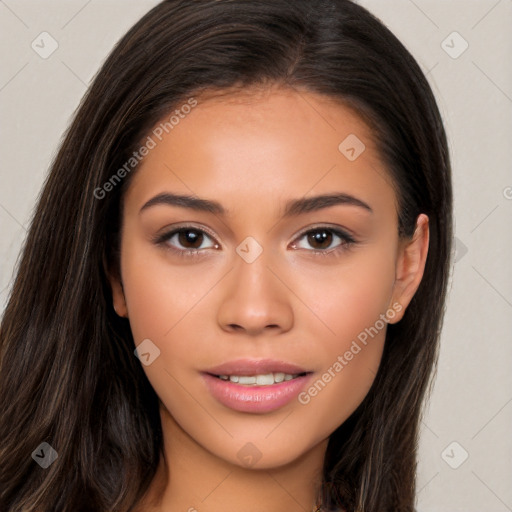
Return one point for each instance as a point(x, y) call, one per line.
point(293, 207)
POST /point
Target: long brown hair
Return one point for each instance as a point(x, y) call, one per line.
point(68, 375)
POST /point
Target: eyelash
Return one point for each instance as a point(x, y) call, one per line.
point(347, 241)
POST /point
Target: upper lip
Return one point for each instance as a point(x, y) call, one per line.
point(255, 367)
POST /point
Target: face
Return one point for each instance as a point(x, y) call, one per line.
point(262, 304)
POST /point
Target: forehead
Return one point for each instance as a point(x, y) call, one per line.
point(267, 143)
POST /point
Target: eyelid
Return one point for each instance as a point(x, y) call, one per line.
point(335, 228)
point(343, 233)
point(162, 240)
point(175, 228)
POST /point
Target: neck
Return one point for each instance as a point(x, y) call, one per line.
point(189, 478)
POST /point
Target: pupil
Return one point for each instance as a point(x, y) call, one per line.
point(188, 236)
point(320, 237)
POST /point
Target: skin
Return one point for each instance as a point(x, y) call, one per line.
point(252, 152)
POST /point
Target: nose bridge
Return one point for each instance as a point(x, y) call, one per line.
point(253, 280)
point(251, 267)
point(255, 298)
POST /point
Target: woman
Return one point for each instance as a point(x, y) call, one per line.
point(281, 366)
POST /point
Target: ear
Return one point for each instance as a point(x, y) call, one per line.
point(410, 266)
point(118, 297)
point(116, 285)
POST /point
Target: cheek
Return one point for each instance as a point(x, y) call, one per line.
point(159, 295)
point(349, 298)
point(351, 303)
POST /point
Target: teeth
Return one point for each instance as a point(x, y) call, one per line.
point(266, 379)
point(245, 379)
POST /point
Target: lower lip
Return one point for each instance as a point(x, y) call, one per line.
point(255, 398)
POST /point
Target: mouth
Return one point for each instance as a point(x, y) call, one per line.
point(256, 386)
point(257, 368)
point(262, 379)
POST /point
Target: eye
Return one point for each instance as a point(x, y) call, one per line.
point(189, 241)
point(325, 240)
point(186, 240)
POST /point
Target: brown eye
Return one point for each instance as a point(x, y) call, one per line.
point(190, 238)
point(320, 239)
point(187, 241)
point(324, 240)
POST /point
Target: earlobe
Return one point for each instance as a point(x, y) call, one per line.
point(118, 299)
point(114, 278)
point(410, 266)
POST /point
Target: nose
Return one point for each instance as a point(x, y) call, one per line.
point(255, 299)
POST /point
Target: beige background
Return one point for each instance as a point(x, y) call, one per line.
point(470, 412)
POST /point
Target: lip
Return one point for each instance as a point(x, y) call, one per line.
point(255, 367)
point(255, 399)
